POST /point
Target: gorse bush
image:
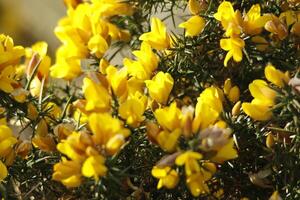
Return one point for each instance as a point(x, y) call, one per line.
point(213, 113)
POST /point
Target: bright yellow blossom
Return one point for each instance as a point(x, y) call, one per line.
point(196, 182)
point(97, 45)
point(158, 38)
point(227, 152)
point(190, 161)
point(68, 172)
point(7, 141)
point(262, 93)
point(234, 46)
point(10, 54)
point(145, 64)
point(167, 140)
point(3, 171)
point(259, 108)
point(253, 21)
point(167, 176)
point(108, 8)
point(160, 87)
point(97, 96)
point(147, 57)
point(118, 81)
point(169, 118)
point(7, 79)
point(136, 69)
point(108, 131)
point(231, 20)
point(232, 92)
point(133, 109)
point(75, 146)
point(94, 166)
point(66, 68)
point(208, 108)
point(193, 26)
point(257, 112)
point(276, 76)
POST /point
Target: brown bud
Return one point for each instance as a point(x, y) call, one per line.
point(260, 178)
point(167, 160)
point(276, 27)
point(270, 140)
point(23, 148)
point(152, 131)
point(62, 131)
point(236, 108)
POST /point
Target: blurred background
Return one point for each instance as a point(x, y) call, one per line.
point(29, 21)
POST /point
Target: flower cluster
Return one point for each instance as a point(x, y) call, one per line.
point(86, 31)
point(167, 122)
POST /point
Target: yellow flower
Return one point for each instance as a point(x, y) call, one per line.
point(196, 182)
point(98, 45)
point(168, 140)
point(232, 92)
point(276, 76)
point(261, 92)
point(167, 176)
point(75, 146)
point(227, 152)
point(103, 65)
point(53, 110)
point(7, 79)
point(42, 139)
point(68, 172)
point(108, 8)
point(160, 87)
point(289, 17)
point(194, 6)
point(158, 38)
point(257, 112)
point(108, 131)
point(66, 68)
point(3, 171)
point(234, 46)
point(190, 161)
point(276, 27)
point(208, 108)
point(231, 21)
point(10, 54)
point(118, 81)
point(193, 26)
point(296, 29)
point(39, 48)
point(133, 109)
point(147, 58)
point(275, 196)
point(253, 21)
point(94, 166)
point(97, 96)
point(169, 117)
point(7, 141)
point(259, 108)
